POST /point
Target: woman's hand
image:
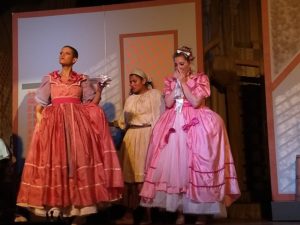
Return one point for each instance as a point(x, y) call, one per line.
point(180, 75)
point(102, 85)
point(104, 81)
point(38, 113)
point(39, 118)
point(114, 124)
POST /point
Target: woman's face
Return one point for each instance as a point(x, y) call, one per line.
point(66, 57)
point(182, 65)
point(137, 84)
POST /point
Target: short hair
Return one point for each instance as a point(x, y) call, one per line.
point(74, 50)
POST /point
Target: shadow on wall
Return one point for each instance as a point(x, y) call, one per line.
point(287, 134)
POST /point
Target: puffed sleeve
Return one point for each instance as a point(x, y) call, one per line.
point(42, 95)
point(121, 121)
point(202, 86)
point(88, 91)
point(157, 105)
point(168, 85)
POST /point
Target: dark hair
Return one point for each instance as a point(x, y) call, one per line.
point(184, 51)
point(148, 84)
point(74, 50)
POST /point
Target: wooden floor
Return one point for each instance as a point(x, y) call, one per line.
point(110, 215)
point(239, 222)
point(210, 222)
point(231, 222)
point(104, 221)
point(214, 223)
point(224, 222)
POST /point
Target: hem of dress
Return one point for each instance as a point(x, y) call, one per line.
point(69, 211)
point(174, 202)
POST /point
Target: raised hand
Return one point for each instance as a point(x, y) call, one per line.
point(180, 75)
point(104, 81)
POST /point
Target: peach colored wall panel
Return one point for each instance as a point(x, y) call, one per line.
point(151, 52)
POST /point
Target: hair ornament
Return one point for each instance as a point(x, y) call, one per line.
point(178, 51)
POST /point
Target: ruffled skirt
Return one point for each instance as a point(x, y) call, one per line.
point(71, 167)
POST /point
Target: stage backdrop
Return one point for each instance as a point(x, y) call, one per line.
point(281, 36)
point(111, 40)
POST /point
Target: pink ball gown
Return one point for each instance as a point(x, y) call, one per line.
point(189, 162)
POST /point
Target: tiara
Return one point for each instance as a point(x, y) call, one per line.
point(178, 51)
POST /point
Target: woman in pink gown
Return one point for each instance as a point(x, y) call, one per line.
point(189, 165)
point(71, 166)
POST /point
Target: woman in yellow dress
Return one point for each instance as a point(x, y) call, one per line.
point(141, 110)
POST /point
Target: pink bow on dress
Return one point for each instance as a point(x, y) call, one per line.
point(187, 126)
point(171, 130)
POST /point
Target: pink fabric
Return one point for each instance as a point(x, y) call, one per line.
point(65, 100)
point(198, 83)
point(171, 130)
point(81, 87)
point(211, 175)
point(72, 160)
point(187, 126)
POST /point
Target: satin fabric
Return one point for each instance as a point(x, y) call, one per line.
point(72, 164)
point(189, 162)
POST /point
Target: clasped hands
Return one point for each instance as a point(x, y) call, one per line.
point(180, 75)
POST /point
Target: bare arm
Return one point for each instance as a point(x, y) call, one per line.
point(100, 86)
point(38, 113)
point(169, 99)
point(97, 97)
point(194, 100)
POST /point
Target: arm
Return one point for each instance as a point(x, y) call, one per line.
point(157, 105)
point(104, 81)
point(193, 99)
point(38, 113)
point(121, 121)
point(97, 97)
point(169, 93)
point(42, 98)
point(170, 99)
point(91, 94)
